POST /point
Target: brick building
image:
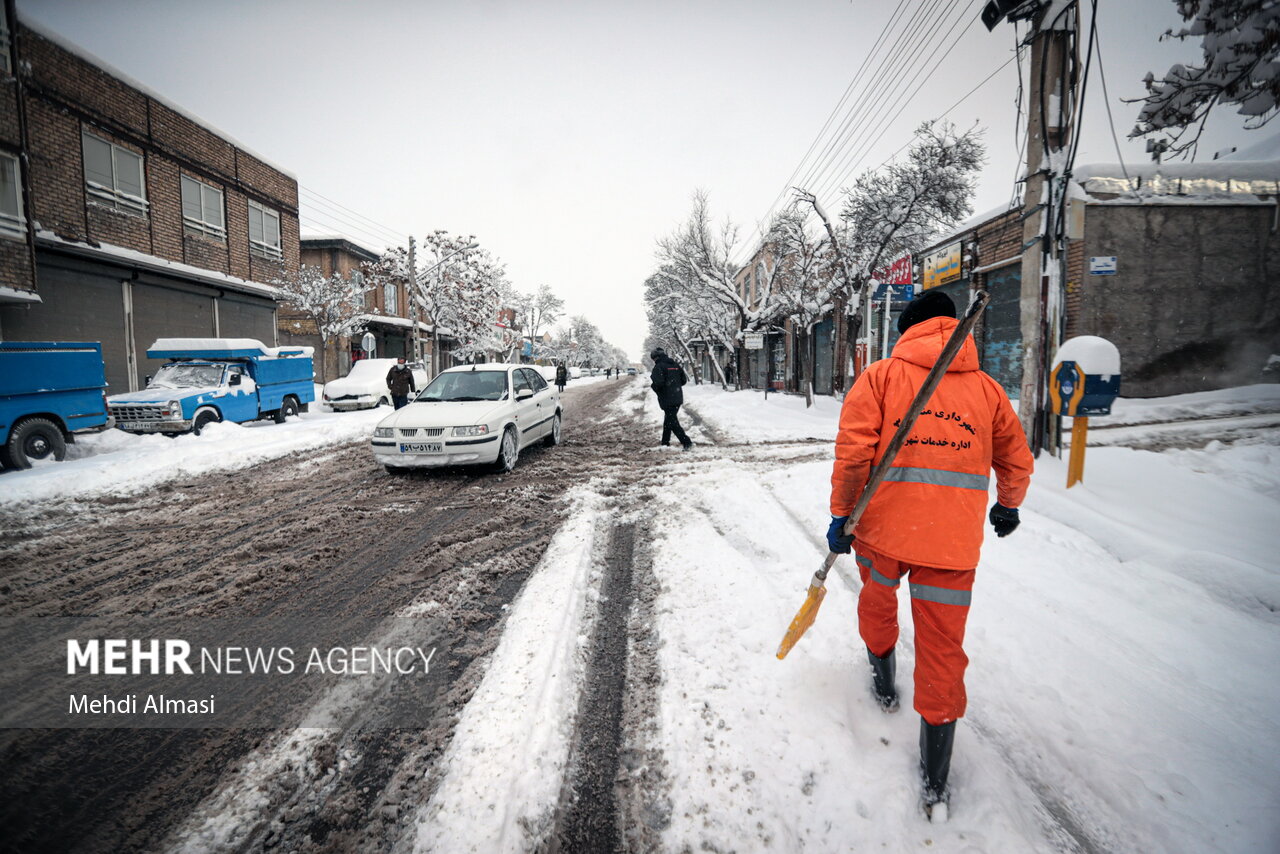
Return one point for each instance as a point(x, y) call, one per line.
point(1193, 303)
point(388, 318)
point(123, 218)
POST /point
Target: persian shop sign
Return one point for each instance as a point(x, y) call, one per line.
point(942, 267)
point(897, 273)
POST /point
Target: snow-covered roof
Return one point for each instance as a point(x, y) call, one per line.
point(1218, 181)
point(161, 265)
point(356, 246)
point(75, 49)
point(389, 320)
point(225, 347)
point(970, 224)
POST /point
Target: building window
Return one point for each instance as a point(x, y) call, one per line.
point(113, 175)
point(264, 232)
point(364, 297)
point(389, 302)
point(202, 209)
point(11, 221)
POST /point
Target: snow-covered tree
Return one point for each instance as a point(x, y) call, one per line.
point(900, 207)
point(461, 287)
point(536, 312)
point(1240, 46)
point(335, 304)
point(801, 272)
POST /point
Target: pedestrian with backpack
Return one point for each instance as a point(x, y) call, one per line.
point(667, 379)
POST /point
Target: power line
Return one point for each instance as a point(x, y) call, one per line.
point(1001, 67)
point(848, 165)
point(318, 223)
point(904, 44)
point(891, 74)
point(383, 234)
point(1106, 97)
point(357, 214)
point(879, 41)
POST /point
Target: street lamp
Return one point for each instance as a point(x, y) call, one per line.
point(413, 284)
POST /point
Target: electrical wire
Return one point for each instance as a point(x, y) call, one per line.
point(885, 89)
point(357, 214)
point(880, 40)
point(390, 237)
point(904, 44)
point(1106, 97)
point(320, 224)
point(870, 144)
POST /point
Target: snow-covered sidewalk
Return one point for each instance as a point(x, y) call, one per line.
point(117, 463)
point(1123, 645)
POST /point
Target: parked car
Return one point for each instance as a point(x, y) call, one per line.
point(216, 379)
point(471, 415)
point(631, 372)
point(48, 392)
point(365, 386)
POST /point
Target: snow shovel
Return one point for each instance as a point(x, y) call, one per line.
point(817, 587)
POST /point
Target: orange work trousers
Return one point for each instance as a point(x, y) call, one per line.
point(939, 609)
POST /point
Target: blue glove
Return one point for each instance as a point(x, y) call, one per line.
point(836, 539)
point(1003, 519)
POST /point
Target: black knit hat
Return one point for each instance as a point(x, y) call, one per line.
point(657, 353)
point(929, 304)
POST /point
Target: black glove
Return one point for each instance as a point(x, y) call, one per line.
point(1003, 519)
point(836, 539)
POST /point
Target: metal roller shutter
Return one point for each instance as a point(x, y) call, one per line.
point(78, 303)
point(1002, 330)
point(247, 318)
point(166, 313)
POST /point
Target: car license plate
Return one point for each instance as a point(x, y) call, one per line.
point(137, 426)
point(422, 447)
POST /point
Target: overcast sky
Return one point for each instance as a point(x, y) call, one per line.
point(568, 136)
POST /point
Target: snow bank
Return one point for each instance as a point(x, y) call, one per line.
point(746, 416)
point(1245, 400)
point(119, 463)
point(504, 767)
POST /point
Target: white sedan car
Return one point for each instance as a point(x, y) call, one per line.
point(365, 386)
point(471, 415)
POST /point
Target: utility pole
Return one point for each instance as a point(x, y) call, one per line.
point(1050, 110)
point(413, 302)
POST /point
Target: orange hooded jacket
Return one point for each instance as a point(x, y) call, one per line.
point(931, 506)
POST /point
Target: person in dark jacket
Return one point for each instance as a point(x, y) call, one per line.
point(667, 379)
point(400, 383)
point(562, 376)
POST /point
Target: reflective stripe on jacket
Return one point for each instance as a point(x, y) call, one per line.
point(931, 507)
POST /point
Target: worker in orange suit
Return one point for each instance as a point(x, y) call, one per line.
point(925, 521)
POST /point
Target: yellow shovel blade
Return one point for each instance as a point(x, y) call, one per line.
point(803, 620)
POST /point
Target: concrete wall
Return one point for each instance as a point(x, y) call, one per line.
point(1194, 305)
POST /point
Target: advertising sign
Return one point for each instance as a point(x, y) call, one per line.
point(942, 267)
point(753, 340)
point(897, 273)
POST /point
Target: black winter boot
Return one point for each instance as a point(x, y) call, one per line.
point(882, 671)
point(935, 763)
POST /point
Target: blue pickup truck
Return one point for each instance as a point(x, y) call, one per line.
point(216, 379)
point(48, 392)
